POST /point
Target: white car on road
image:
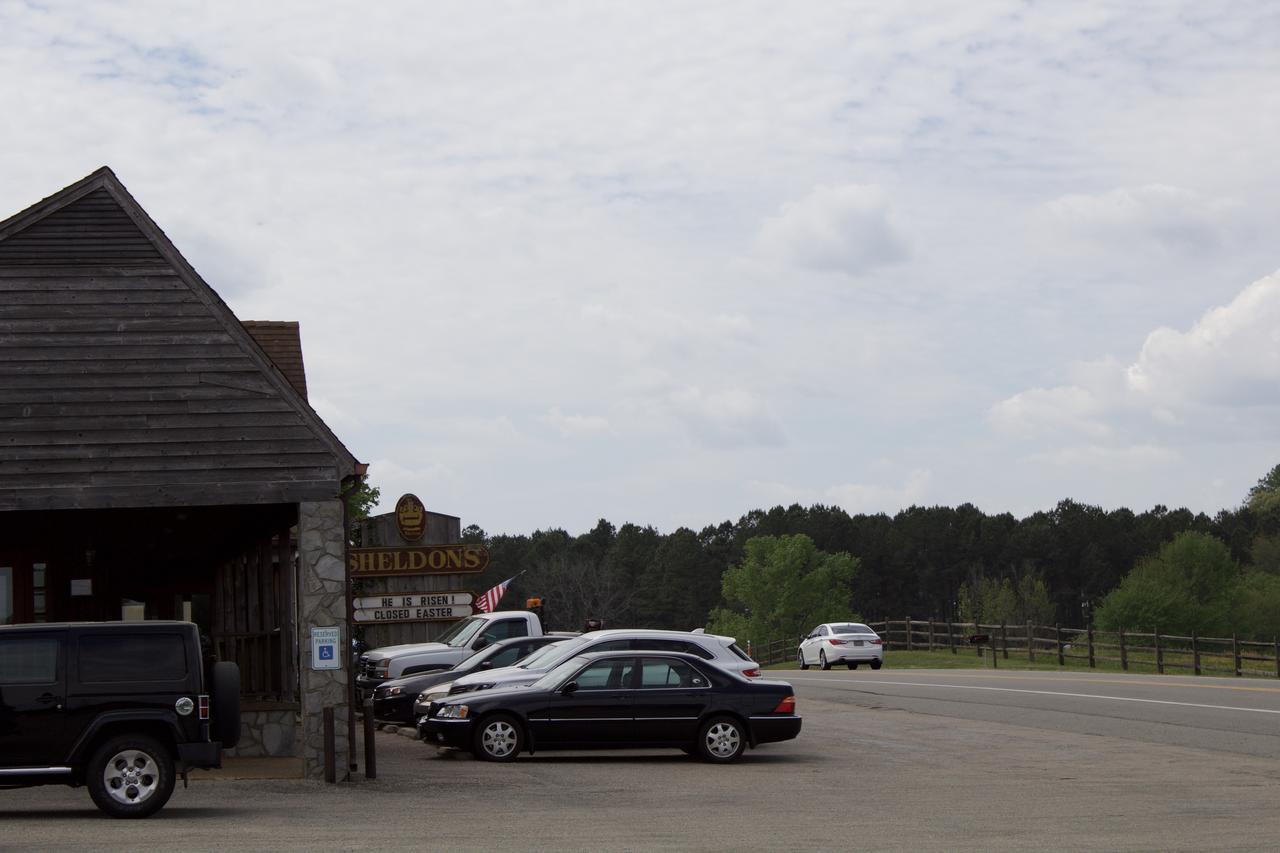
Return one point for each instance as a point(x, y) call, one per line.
point(850, 643)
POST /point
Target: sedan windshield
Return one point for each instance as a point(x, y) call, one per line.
point(553, 678)
point(851, 629)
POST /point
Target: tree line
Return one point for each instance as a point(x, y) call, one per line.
point(1055, 566)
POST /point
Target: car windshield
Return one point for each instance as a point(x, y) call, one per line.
point(553, 653)
point(460, 634)
point(851, 629)
point(474, 659)
point(557, 674)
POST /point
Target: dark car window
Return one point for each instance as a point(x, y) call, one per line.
point(614, 674)
point(669, 673)
point(29, 660)
point(105, 658)
point(695, 649)
point(505, 630)
point(609, 646)
point(509, 655)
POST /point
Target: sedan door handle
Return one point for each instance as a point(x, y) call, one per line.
point(46, 699)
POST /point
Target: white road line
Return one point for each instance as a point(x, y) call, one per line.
point(867, 687)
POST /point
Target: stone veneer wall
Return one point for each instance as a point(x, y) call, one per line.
point(322, 602)
point(271, 731)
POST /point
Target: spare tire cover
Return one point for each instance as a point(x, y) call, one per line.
point(226, 703)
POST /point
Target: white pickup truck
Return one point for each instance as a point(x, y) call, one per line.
point(463, 639)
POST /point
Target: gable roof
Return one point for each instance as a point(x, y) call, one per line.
point(125, 380)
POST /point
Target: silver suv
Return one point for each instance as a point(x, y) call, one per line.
point(721, 651)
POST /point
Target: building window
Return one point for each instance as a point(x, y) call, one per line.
point(39, 599)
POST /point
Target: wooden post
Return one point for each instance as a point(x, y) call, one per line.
point(1195, 653)
point(330, 750)
point(1124, 655)
point(994, 657)
point(1159, 652)
point(930, 633)
point(951, 641)
point(907, 624)
point(1092, 662)
point(1277, 646)
point(1235, 653)
point(370, 747)
point(977, 629)
point(1004, 639)
point(1057, 631)
point(1031, 642)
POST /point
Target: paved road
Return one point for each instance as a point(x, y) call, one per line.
point(1221, 714)
point(867, 773)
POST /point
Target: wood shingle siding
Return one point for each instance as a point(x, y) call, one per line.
point(126, 381)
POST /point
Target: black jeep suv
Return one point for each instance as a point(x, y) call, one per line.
point(119, 707)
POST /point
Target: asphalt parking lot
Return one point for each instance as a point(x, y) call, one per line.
point(859, 777)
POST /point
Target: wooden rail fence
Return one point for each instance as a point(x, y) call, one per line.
point(1064, 646)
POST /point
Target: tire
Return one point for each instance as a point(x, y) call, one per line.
point(853, 666)
point(803, 665)
point(498, 738)
point(722, 740)
point(822, 659)
point(130, 776)
point(875, 664)
point(225, 696)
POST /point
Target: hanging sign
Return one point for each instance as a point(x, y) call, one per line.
point(413, 599)
point(411, 614)
point(422, 560)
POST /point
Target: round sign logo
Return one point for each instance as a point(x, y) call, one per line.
point(411, 518)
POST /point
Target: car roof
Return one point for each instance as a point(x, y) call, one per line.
point(631, 653)
point(645, 633)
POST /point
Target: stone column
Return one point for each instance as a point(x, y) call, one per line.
point(322, 602)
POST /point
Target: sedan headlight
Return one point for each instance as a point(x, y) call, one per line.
point(453, 712)
point(394, 691)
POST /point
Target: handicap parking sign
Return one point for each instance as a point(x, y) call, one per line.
point(324, 646)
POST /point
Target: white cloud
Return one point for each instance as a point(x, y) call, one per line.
point(726, 418)
point(846, 229)
point(1222, 376)
point(854, 498)
point(575, 425)
point(1154, 215)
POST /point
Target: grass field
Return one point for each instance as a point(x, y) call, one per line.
point(1139, 662)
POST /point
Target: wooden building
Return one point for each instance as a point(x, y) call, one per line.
point(158, 457)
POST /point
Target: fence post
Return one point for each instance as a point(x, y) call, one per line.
point(1124, 655)
point(1159, 651)
point(1277, 643)
point(1031, 643)
point(1195, 653)
point(1092, 663)
point(1235, 653)
point(1057, 632)
point(1004, 639)
point(908, 627)
point(977, 629)
point(930, 633)
point(951, 641)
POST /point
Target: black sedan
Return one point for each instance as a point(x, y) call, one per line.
point(620, 700)
point(393, 700)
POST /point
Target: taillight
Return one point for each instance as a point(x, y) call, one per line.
point(877, 642)
point(836, 642)
point(786, 706)
point(204, 707)
point(752, 673)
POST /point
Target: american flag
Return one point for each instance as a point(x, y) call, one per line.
point(487, 602)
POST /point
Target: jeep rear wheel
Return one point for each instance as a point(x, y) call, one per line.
point(130, 776)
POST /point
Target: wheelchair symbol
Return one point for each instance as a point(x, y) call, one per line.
point(326, 653)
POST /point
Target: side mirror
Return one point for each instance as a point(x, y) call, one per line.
point(570, 688)
point(479, 644)
point(485, 664)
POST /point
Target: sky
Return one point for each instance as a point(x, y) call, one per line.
point(667, 262)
